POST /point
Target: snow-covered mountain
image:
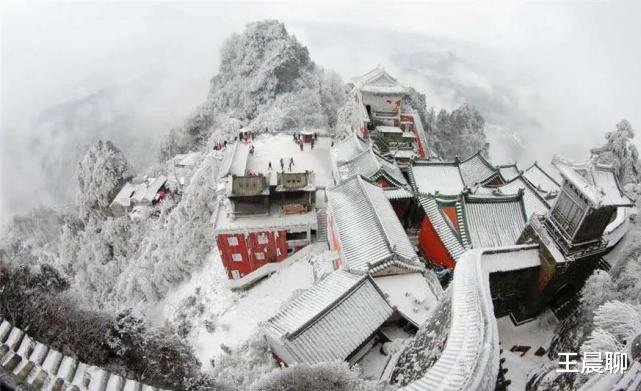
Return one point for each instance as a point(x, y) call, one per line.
point(266, 81)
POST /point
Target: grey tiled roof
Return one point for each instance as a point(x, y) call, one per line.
point(348, 148)
point(368, 228)
point(371, 166)
point(476, 169)
point(452, 241)
point(533, 200)
point(329, 321)
point(540, 179)
point(429, 177)
point(396, 194)
point(509, 171)
point(596, 181)
point(494, 221)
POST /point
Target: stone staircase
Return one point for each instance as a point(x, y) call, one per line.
point(321, 231)
point(31, 365)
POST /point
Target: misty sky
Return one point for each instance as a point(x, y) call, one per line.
point(555, 76)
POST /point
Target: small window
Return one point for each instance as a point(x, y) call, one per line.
point(262, 239)
point(237, 257)
point(260, 256)
point(232, 241)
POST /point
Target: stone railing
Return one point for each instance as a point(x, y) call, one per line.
point(470, 359)
point(30, 365)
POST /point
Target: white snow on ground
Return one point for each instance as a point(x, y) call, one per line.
point(234, 314)
point(534, 334)
point(271, 148)
point(411, 295)
point(375, 361)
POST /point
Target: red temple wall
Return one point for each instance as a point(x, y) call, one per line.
point(249, 247)
point(432, 246)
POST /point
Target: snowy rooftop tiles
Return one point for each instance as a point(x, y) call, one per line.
point(540, 179)
point(450, 178)
point(597, 182)
point(493, 221)
point(436, 177)
point(378, 81)
point(509, 171)
point(369, 165)
point(486, 221)
point(370, 234)
point(450, 238)
point(144, 192)
point(476, 169)
point(533, 200)
point(329, 321)
point(348, 148)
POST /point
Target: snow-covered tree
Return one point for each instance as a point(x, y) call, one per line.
point(616, 325)
point(621, 320)
point(175, 243)
point(619, 152)
point(459, 133)
point(319, 377)
point(102, 171)
point(598, 289)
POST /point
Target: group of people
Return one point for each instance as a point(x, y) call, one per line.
point(290, 164)
point(220, 145)
point(298, 138)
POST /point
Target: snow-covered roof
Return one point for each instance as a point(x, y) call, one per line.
point(493, 221)
point(470, 359)
point(450, 238)
point(533, 200)
point(410, 294)
point(403, 153)
point(123, 198)
point(397, 194)
point(372, 238)
point(187, 159)
point(509, 171)
point(151, 188)
point(511, 258)
point(541, 180)
point(224, 221)
point(378, 81)
point(371, 166)
point(476, 169)
point(481, 221)
point(429, 177)
point(329, 321)
point(390, 129)
point(42, 367)
point(235, 159)
point(348, 148)
point(144, 192)
point(597, 182)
